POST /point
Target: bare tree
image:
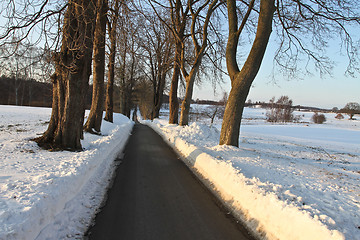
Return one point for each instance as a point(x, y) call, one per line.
point(351, 109)
point(198, 31)
point(189, 24)
point(129, 62)
point(22, 19)
point(157, 46)
point(179, 16)
point(109, 105)
point(21, 61)
point(93, 122)
point(281, 110)
point(299, 24)
point(242, 80)
point(71, 78)
point(144, 97)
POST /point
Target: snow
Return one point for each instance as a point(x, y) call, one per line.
point(52, 195)
point(286, 181)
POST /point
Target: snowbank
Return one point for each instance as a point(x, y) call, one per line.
point(52, 195)
point(271, 209)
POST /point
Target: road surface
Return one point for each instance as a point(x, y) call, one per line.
point(155, 196)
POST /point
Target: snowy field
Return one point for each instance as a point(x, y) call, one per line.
point(289, 181)
point(52, 195)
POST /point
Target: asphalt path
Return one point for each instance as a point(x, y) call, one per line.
point(155, 196)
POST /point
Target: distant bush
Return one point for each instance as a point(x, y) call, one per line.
point(339, 116)
point(334, 109)
point(319, 118)
point(281, 110)
point(212, 112)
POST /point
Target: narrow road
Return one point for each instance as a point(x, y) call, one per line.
point(155, 196)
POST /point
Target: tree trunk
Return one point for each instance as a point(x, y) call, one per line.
point(199, 51)
point(109, 105)
point(185, 106)
point(158, 96)
point(71, 78)
point(123, 84)
point(122, 98)
point(134, 116)
point(96, 112)
point(241, 80)
point(128, 103)
point(173, 99)
point(48, 136)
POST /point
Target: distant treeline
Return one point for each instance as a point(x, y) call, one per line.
point(296, 107)
point(265, 105)
point(25, 92)
point(300, 108)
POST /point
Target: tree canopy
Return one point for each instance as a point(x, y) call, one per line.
point(184, 37)
point(351, 109)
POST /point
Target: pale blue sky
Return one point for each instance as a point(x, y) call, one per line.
point(328, 92)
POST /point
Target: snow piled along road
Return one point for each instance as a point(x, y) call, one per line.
point(52, 195)
point(289, 181)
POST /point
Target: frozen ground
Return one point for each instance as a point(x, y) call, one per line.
point(291, 181)
point(52, 195)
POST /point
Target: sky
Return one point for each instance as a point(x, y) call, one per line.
point(331, 91)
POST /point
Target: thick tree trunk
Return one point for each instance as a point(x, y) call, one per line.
point(199, 51)
point(241, 80)
point(48, 136)
point(109, 105)
point(71, 78)
point(125, 99)
point(185, 106)
point(96, 112)
point(158, 101)
point(158, 96)
point(173, 98)
point(128, 104)
point(123, 84)
point(122, 99)
point(179, 18)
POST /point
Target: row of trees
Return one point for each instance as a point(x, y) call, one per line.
point(19, 69)
point(183, 39)
point(24, 92)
